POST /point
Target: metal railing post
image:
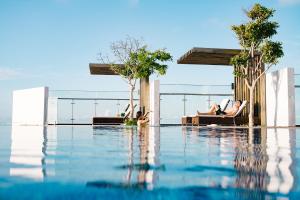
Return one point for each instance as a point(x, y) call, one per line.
point(95, 109)
point(184, 105)
point(72, 105)
point(118, 107)
point(208, 100)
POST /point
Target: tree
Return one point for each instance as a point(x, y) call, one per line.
point(258, 52)
point(137, 62)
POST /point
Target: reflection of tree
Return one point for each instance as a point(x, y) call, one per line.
point(250, 157)
point(264, 162)
point(143, 144)
point(130, 134)
point(250, 162)
point(148, 157)
point(263, 158)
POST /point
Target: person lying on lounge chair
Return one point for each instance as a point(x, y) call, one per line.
point(141, 119)
point(216, 110)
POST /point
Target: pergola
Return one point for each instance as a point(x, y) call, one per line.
point(101, 69)
point(105, 69)
point(216, 56)
point(208, 56)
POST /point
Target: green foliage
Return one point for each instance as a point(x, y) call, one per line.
point(272, 51)
point(240, 59)
point(142, 63)
point(254, 32)
point(259, 12)
point(130, 122)
point(258, 28)
point(137, 62)
point(255, 40)
point(239, 73)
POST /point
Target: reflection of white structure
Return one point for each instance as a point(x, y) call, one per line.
point(153, 155)
point(50, 146)
point(27, 151)
point(279, 166)
point(224, 150)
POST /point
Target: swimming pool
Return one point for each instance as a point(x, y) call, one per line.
point(80, 162)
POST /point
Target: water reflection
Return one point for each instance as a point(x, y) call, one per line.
point(5, 146)
point(29, 151)
point(148, 163)
point(281, 144)
point(264, 159)
point(149, 155)
point(250, 163)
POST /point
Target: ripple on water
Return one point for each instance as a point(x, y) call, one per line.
point(165, 162)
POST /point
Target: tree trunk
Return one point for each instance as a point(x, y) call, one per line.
point(251, 109)
point(131, 106)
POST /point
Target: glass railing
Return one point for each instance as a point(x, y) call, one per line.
point(80, 106)
point(178, 100)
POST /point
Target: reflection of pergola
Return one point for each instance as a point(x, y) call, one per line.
point(105, 69)
point(215, 56)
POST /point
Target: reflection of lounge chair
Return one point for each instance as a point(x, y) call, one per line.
point(112, 120)
point(218, 119)
point(187, 120)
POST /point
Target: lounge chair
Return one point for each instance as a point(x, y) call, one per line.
point(112, 120)
point(218, 119)
point(187, 120)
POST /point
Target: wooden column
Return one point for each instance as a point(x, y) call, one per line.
point(241, 92)
point(263, 108)
point(144, 95)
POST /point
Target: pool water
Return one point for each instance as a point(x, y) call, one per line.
point(80, 162)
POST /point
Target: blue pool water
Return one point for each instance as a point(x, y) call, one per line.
point(152, 163)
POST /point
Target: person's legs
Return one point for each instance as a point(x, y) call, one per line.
point(212, 110)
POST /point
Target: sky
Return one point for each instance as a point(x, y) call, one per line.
point(51, 42)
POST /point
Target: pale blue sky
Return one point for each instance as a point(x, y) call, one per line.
point(51, 42)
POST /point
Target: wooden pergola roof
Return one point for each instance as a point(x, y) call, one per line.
point(208, 56)
point(101, 69)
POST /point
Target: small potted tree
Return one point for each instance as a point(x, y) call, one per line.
point(259, 53)
point(137, 62)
